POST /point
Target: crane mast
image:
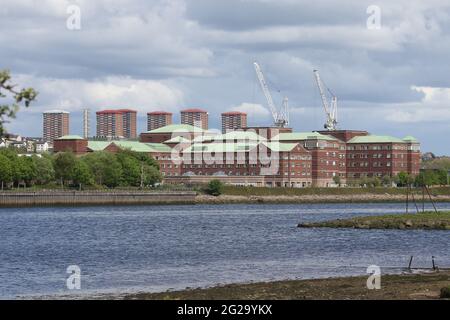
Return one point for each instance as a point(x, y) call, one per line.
point(280, 118)
point(330, 109)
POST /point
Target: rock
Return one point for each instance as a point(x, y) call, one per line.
point(408, 223)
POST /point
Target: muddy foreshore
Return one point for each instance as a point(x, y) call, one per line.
point(425, 285)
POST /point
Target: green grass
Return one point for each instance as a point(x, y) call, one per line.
point(263, 191)
point(426, 220)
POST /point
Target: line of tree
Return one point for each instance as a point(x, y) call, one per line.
point(403, 179)
point(125, 168)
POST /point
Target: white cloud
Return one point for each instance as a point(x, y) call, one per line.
point(252, 109)
point(434, 107)
point(109, 92)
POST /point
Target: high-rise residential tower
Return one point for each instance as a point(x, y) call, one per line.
point(116, 123)
point(233, 120)
point(55, 124)
point(158, 119)
point(195, 117)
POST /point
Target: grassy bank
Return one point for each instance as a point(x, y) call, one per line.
point(427, 221)
point(257, 191)
point(405, 286)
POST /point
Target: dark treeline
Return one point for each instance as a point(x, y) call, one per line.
point(97, 169)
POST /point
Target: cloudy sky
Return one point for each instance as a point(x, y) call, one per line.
point(169, 55)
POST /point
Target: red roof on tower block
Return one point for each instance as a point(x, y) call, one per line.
point(233, 113)
point(159, 112)
point(115, 111)
point(194, 110)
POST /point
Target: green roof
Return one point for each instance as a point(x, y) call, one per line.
point(292, 136)
point(177, 127)
point(70, 137)
point(280, 146)
point(375, 139)
point(410, 139)
point(177, 139)
point(98, 145)
point(133, 146)
point(241, 135)
point(158, 147)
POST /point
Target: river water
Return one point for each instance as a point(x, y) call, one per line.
point(156, 248)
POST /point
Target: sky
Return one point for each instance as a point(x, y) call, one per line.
point(389, 66)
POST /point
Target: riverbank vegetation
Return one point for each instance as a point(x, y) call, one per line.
point(280, 191)
point(423, 220)
point(65, 170)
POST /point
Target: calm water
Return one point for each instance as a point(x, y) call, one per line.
point(155, 248)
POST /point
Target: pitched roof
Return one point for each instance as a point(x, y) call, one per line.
point(241, 135)
point(98, 145)
point(292, 136)
point(177, 139)
point(177, 127)
point(375, 139)
point(280, 146)
point(70, 137)
point(410, 139)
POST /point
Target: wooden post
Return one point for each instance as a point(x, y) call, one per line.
point(410, 262)
point(407, 198)
point(432, 260)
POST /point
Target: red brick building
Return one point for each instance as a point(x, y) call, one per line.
point(75, 144)
point(289, 159)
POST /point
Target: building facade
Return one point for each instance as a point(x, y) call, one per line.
point(188, 154)
point(195, 117)
point(158, 119)
point(117, 123)
point(55, 124)
point(233, 120)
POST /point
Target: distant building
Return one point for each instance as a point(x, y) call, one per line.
point(116, 123)
point(195, 117)
point(55, 124)
point(233, 120)
point(158, 119)
point(129, 123)
point(86, 123)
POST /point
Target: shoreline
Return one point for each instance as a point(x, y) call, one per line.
point(127, 198)
point(416, 286)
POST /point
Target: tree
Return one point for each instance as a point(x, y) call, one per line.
point(24, 95)
point(6, 171)
point(105, 168)
point(44, 169)
point(131, 168)
point(150, 175)
point(337, 180)
point(403, 179)
point(63, 164)
point(82, 174)
point(214, 188)
point(386, 181)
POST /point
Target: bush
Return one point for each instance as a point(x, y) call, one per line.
point(445, 292)
point(214, 188)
